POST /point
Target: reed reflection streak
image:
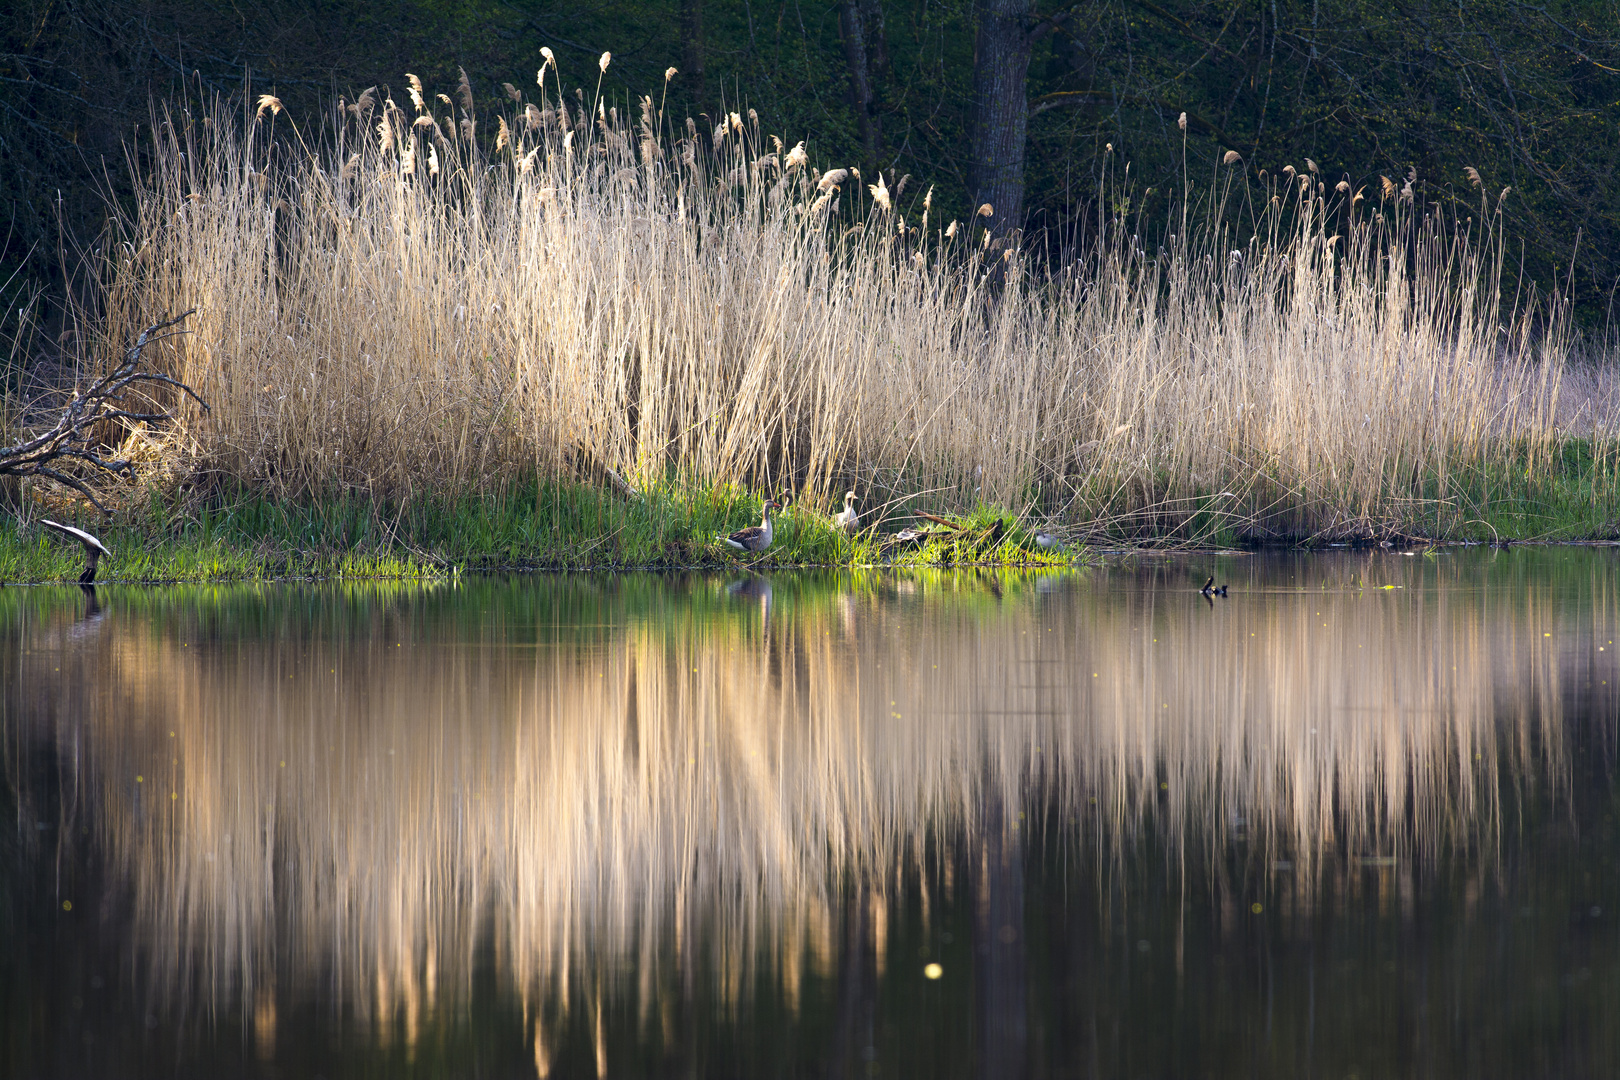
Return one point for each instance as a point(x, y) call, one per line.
point(620, 783)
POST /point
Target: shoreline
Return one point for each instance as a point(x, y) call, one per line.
point(552, 526)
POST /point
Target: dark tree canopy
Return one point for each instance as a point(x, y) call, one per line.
point(1527, 94)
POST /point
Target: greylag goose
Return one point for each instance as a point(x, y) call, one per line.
point(847, 519)
point(755, 538)
point(93, 549)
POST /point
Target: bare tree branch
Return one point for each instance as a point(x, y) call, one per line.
point(70, 437)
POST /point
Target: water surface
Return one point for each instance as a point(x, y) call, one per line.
point(1356, 819)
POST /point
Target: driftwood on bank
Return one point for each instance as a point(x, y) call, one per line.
point(71, 437)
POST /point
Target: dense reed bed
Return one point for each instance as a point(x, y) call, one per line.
point(405, 306)
point(625, 783)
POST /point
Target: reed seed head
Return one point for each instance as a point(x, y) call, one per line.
point(268, 101)
point(1473, 176)
point(602, 64)
point(1181, 121)
point(669, 73)
point(1231, 157)
point(986, 210)
point(880, 193)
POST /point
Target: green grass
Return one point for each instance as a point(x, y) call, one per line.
point(573, 526)
point(550, 526)
point(1569, 492)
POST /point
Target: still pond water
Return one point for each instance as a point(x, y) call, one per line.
point(1358, 819)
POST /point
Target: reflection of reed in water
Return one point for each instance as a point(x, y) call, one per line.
point(621, 785)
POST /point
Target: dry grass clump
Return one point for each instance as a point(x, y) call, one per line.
point(400, 308)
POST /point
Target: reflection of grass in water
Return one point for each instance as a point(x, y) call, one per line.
point(617, 781)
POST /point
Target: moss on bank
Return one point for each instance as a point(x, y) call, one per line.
point(548, 527)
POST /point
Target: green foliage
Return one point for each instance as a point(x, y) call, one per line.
point(550, 526)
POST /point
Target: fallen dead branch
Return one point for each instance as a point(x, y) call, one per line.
point(71, 437)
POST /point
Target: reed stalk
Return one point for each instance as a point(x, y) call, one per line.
point(402, 306)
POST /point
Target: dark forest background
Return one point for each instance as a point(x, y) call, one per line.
point(1024, 104)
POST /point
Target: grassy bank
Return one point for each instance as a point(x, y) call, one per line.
point(554, 526)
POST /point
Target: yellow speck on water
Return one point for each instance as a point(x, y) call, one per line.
point(1256, 908)
point(67, 905)
point(1093, 674)
point(1546, 635)
point(171, 734)
point(1164, 787)
point(932, 971)
point(283, 764)
point(140, 779)
point(174, 794)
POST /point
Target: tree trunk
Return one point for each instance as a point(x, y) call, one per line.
point(852, 29)
point(1001, 111)
point(692, 50)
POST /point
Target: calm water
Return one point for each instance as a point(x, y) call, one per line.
point(1356, 820)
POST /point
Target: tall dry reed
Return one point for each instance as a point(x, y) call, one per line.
point(398, 308)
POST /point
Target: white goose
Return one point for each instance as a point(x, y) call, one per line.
point(847, 520)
